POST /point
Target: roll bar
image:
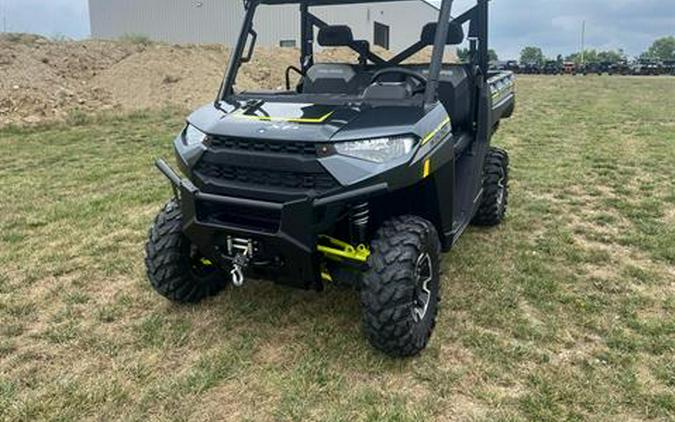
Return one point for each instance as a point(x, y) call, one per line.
point(477, 16)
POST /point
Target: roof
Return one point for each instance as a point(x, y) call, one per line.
point(334, 2)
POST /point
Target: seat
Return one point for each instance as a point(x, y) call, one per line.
point(333, 78)
point(455, 94)
point(454, 81)
point(336, 78)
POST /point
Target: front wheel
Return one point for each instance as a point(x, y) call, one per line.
point(175, 267)
point(400, 292)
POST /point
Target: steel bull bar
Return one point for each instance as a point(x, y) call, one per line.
point(294, 238)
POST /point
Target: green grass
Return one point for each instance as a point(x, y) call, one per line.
point(566, 312)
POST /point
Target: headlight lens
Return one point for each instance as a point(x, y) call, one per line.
point(193, 136)
point(378, 150)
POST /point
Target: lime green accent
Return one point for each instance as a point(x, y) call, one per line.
point(286, 119)
point(206, 262)
point(339, 250)
point(325, 275)
point(431, 135)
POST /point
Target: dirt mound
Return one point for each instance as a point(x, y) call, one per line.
point(42, 79)
point(45, 80)
point(187, 76)
point(22, 38)
point(163, 74)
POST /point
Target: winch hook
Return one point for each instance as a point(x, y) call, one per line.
point(237, 276)
point(239, 263)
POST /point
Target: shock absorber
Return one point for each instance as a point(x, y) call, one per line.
point(358, 223)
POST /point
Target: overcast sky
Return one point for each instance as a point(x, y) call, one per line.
point(555, 25)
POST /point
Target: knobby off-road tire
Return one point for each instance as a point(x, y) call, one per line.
point(400, 291)
point(174, 267)
point(495, 199)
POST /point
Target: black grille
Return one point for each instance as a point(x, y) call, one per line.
point(239, 216)
point(320, 182)
point(259, 145)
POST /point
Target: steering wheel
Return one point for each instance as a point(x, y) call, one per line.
point(401, 71)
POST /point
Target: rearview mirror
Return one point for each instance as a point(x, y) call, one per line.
point(455, 34)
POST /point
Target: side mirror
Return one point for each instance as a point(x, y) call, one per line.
point(251, 46)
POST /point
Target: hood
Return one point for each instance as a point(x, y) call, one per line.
point(304, 122)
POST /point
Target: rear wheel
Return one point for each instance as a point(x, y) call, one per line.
point(175, 267)
point(400, 291)
point(493, 205)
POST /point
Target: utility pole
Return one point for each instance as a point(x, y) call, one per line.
point(583, 43)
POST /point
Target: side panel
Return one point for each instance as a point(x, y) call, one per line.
point(469, 170)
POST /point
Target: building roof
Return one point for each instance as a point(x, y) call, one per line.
point(335, 2)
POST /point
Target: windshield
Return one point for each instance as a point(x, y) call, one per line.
point(342, 49)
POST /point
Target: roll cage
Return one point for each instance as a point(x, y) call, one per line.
point(477, 16)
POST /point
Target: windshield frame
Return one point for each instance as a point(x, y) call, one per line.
point(477, 16)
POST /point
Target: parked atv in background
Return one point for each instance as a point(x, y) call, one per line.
point(645, 67)
point(605, 67)
point(531, 69)
point(619, 68)
point(552, 67)
point(591, 68)
point(570, 68)
point(362, 173)
point(669, 67)
point(512, 66)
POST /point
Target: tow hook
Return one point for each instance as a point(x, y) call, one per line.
point(239, 264)
point(242, 250)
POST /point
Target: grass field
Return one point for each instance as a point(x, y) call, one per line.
point(567, 311)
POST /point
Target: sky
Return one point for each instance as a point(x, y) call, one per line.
point(554, 25)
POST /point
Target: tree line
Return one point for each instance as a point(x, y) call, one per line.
point(663, 49)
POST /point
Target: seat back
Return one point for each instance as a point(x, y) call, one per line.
point(455, 95)
point(336, 78)
point(342, 36)
point(454, 81)
point(332, 78)
point(335, 36)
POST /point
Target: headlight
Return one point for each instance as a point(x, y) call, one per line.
point(193, 136)
point(378, 150)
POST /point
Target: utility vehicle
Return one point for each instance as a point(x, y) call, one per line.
point(363, 173)
point(592, 68)
point(569, 68)
point(619, 68)
point(669, 67)
point(552, 67)
point(531, 68)
point(646, 67)
point(512, 65)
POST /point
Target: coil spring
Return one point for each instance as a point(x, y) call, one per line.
point(359, 218)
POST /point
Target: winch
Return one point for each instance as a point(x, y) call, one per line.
point(240, 251)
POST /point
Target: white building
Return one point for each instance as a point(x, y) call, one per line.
point(393, 25)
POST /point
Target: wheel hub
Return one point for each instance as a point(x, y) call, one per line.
point(424, 274)
point(502, 190)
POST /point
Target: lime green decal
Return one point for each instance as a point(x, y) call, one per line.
point(285, 119)
point(431, 135)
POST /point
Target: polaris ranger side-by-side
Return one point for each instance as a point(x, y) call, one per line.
point(363, 173)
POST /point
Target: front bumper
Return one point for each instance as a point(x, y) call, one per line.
point(287, 232)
